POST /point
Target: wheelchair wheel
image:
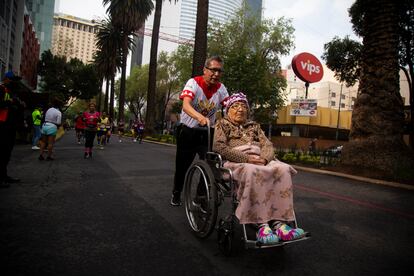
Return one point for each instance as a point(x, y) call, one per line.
point(201, 199)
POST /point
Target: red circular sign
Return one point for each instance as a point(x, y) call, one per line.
point(307, 67)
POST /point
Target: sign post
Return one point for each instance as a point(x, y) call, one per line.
point(308, 68)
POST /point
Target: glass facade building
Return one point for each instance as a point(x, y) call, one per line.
point(219, 10)
point(41, 13)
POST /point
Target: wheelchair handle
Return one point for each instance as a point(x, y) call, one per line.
point(206, 127)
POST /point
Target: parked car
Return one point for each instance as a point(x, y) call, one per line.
point(333, 151)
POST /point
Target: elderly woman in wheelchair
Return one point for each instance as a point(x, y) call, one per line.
point(264, 184)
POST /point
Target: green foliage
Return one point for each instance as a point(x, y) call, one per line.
point(173, 71)
point(67, 80)
point(129, 14)
point(176, 107)
point(136, 90)
point(343, 57)
point(250, 49)
point(109, 43)
point(74, 109)
point(162, 138)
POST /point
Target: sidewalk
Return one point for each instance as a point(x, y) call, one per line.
point(326, 172)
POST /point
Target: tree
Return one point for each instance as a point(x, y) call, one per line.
point(174, 70)
point(67, 81)
point(136, 90)
point(343, 56)
point(339, 50)
point(150, 116)
point(377, 119)
point(108, 57)
point(127, 16)
point(250, 49)
point(200, 42)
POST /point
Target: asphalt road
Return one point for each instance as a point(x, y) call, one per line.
point(111, 216)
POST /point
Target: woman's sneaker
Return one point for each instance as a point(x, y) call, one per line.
point(266, 236)
point(287, 233)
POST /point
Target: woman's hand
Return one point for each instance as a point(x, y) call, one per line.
point(257, 160)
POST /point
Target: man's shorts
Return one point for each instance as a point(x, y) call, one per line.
point(49, 129)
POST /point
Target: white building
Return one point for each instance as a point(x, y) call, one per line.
point(328, 90)
point(74, 37)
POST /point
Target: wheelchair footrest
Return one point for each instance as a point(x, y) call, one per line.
point(256, 245)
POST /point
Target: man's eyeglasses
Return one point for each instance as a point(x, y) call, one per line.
point(215, 70)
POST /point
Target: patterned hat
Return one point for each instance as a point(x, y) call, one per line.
point(236, 97)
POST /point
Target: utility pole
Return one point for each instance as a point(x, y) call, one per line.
point(339, 112)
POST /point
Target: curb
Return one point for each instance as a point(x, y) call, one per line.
point(359, 178)
point(158, 143)
point(344, 175)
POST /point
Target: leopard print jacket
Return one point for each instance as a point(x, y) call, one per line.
point(228, 135)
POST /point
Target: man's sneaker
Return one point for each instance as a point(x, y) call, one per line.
point(35, 148)
point(176, 199)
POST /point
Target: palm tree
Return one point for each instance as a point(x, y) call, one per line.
point(127, 16)
point(108, 57)
point(200, 43)
point(377, 119)
point(150, 114)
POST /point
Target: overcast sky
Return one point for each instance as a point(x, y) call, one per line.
point(316, 22)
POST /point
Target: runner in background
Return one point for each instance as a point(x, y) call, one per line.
point(102, 130)
point(79, 128)
point(91, 119)
point(108, 130)
point(121, 129)
point(140, 131)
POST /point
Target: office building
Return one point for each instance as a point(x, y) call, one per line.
point(178, 21)
point(74, 37)
point(19, 45)
point(41, 14)
point(11, 29)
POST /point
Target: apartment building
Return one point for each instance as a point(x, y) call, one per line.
point(74, 37)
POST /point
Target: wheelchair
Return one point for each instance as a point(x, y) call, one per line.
point(207, 184)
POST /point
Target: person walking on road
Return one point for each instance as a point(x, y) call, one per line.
point(79, 127)
point(103, 128)
point(121, 129)
point(37, 121)
point(10, 109)
point(91, 119)
point(53, 119)
point(202, 97)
